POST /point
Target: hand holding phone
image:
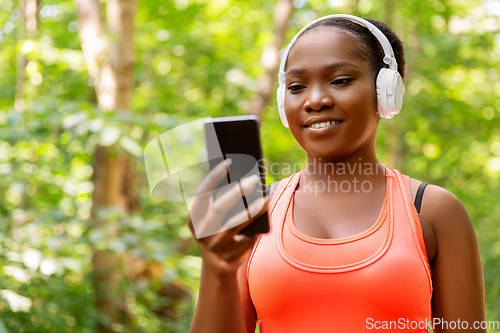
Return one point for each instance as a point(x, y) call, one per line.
point(223, 253)
point(237, 138)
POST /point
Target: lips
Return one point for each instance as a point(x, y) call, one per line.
point(319, 122)
point(323, 124)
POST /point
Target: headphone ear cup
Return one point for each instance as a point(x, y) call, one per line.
point(398, 93)
point(390, 90)
point(381, 94)
point(280, 97)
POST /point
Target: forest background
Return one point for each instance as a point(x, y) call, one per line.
point(86, 84)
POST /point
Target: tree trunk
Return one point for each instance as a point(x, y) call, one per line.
point(270, 59)
point(28, 26)
point(110, 64)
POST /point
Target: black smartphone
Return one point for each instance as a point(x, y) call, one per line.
point(238, 138)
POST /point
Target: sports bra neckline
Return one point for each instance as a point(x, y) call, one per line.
point(384, 246)
point(382, 215)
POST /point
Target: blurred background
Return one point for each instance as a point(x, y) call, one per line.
point(86, 84)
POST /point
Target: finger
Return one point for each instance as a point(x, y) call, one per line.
point(235, 221)
point(259, 189)
point(250, 184)
point(218, 210)
point(214, 177)
point(205, 226)
point(194, 216)
point(228, 199)
point(241, 246)
point(226, 235)
point(190, 224)
point(250, 180)
point(240, 221)
point(256, 209)
point(223, 190)
point(252, 193)
point(229, 248)
point(205, 188)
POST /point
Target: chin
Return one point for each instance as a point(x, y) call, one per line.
point(325, 151)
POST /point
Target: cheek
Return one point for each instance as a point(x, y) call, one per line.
point(292, 107)
point(361, 102)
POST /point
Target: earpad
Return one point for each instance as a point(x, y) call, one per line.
point(280, 96)
point(390, 91)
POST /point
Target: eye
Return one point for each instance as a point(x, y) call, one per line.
point(295, 87)
point(342, 81)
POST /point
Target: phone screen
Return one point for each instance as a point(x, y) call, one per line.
point(238, 138)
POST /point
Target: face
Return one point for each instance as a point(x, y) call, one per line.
point(327, 84)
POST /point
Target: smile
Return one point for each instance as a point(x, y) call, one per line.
point(323, 124)
point(322, 128)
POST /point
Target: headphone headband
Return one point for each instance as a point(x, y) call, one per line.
point(389, 57)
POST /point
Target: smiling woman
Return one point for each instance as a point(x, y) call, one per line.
point(352, 242)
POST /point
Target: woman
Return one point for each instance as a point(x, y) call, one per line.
point(349, 250)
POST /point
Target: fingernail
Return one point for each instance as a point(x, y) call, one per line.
point(225, 163)
point(249, 181)
point(259, 203)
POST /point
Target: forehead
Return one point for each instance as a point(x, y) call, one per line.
point(325, 44)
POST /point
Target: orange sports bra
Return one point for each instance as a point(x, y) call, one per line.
point(378, 279)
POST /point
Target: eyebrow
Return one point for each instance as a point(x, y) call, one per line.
point(327, 67)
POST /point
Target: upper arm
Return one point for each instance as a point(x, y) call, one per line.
point(457, 275)
point(248, 308)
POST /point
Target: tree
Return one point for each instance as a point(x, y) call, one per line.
point(27, 29)
point(270, 60)
point(110, 65)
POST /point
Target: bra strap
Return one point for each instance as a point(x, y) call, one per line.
point(282, 185)
point(418, 197)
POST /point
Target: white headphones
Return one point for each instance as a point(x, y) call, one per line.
point(389, 84)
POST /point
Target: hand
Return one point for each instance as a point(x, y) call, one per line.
point(224, 251)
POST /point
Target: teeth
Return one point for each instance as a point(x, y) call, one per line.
point(323, 124)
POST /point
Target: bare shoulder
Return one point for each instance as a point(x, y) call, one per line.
point(446, 212)
point(444, 219)
point(441, 208)
point(457, 276)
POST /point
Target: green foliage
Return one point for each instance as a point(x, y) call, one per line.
point(197, 58)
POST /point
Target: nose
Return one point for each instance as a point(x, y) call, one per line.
point(318, 99)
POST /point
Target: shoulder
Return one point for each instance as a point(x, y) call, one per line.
point(444, 215)
point(274, 186)
point(441, 207)
point(457, 275)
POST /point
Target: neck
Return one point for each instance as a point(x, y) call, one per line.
point(356, 169)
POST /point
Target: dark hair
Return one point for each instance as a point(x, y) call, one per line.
point(369, 47)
